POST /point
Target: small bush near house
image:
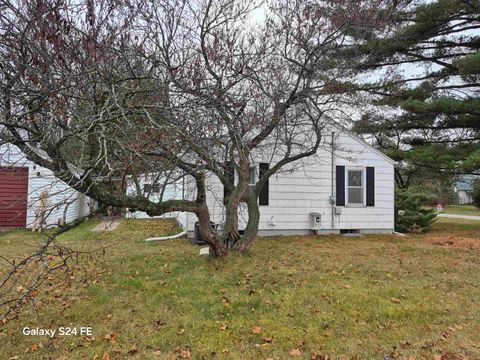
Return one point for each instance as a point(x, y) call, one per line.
point(476, 193)
point(411, 214)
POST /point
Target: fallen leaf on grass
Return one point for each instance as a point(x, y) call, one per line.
point(105, 356)
point(295, 352)
point(133, 350)
point(185, 354)
point(395, 300)
point(224, 327)
point(317, 356)
point(256, 329)
point(159, 322)
point(112, 338)
point(267, 339)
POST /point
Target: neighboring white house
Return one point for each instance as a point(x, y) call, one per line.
point(22, 182)
point(347, 188)
point(464, 189)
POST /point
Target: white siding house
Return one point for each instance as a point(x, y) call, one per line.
point(347, 187)
point(63, 203)
point(173, 191)
point(313, 188)
point(464, 189)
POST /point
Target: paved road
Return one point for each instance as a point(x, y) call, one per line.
point(456, 216)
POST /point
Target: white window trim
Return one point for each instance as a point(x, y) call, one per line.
point(252, 185)
point(364, 192)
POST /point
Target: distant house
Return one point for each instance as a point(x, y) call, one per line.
point(21, 184)
point(464, 189)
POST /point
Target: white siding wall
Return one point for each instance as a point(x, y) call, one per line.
point(61, 196)
point(173, 191)
point(464, 197)
point(306, 188)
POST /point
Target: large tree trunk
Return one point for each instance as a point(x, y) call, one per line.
point(231, 233)
point(217, 248)
point(251, 231)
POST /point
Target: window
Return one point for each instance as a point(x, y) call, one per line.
point(355, 187)
point(251, 180)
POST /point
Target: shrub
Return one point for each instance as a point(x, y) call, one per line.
point(411, 214)
point(476, 193)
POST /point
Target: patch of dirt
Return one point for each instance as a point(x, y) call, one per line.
point(458, 242)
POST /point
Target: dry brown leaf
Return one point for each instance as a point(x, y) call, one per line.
point(105, 356)
point(437, 357)
point(317, 356)
point(256, 329)
point(395, 300)
point(185, 354)
point(295, 352)
point(133, 349)
point(111, 337)
point(224, 327)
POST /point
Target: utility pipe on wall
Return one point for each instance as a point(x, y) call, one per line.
point(332, 196)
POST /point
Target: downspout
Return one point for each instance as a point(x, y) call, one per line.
point(332, 196)
point(176, 236)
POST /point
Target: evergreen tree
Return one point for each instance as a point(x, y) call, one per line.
point(411, 214)
point(426, 110)
point(476, 193)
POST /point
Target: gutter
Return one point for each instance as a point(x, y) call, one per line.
point(332, 202)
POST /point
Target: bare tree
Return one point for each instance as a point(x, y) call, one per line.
point(240, 89)
point(113, 91)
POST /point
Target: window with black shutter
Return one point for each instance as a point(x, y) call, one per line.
point(263, 198)
point(370, 186)
point(340, 186)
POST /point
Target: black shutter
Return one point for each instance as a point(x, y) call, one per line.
point(340, 180)
point(230, 173)
point(370, 186)
point(263, 197)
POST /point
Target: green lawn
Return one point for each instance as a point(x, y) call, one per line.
point(462, 210)
point(291, 297)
